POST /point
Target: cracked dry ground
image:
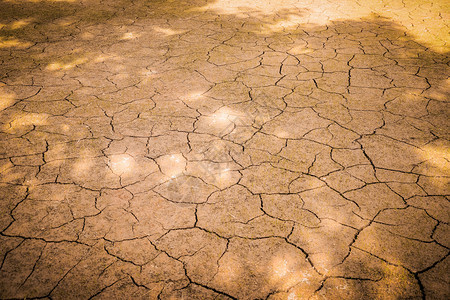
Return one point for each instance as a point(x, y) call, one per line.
point(224, 150)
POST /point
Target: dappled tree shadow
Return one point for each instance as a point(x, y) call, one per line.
point(220, 149)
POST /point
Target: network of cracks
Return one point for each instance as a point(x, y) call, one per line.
point(224, 149)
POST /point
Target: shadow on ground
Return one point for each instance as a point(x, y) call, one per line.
point(208, 149)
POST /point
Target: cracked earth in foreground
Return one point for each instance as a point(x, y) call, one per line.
point(224, 149)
